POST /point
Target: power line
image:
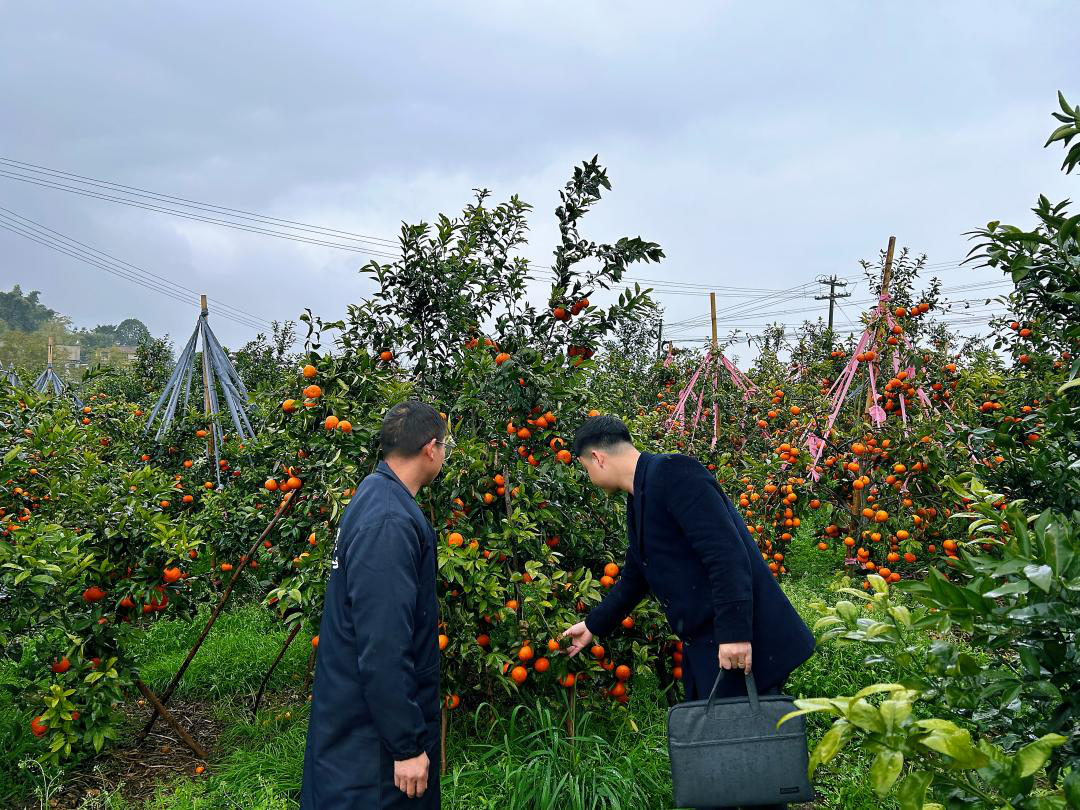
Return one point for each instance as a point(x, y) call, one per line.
point(170, 291)
point(40, 227)
point(186, 202)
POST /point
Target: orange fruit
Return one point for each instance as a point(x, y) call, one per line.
point(611, 569)
point(345, 426)
point(288, 405)
point(568, 680)
point(541, 665)
point(309, 371)
point(622, 672)
point(597, 652)
point(386, 356)
point(226, 567)
point(270, 484)
point(526, 653)
point(443, 641)
point(455, 539)
point(519, 674)
point(331, 422)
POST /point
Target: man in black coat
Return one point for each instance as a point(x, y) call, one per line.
point(374, 728)
point(690, 548)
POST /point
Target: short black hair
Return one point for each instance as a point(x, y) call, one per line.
point(408, 426)
point(600, 432)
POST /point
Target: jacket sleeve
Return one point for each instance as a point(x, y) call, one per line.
point(698, 507)
point(623, 596)
point(383, 581)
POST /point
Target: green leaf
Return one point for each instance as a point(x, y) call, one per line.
point(831, 744)
point(1019, 586)
point(1040, 576)
point(894, 713)
point(878, 688)
point(885, 771)
point(865, 716)
point(912, 791)
point(947, 738)
point(1033, 756)
point(1072, 787)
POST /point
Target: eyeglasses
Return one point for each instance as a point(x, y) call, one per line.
point(448, 445)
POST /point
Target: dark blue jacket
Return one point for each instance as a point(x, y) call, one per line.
point(689, 546)
point(376, 694)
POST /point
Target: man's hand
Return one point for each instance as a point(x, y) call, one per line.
point(411, 775)
point(580, 638)
point(736, 655)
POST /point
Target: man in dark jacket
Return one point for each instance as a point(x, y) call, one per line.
point(374, 728)
point(689, 546)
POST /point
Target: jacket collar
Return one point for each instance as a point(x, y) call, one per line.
point(640, 471)
point(384, 469)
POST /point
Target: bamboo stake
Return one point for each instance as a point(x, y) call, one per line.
point(273, 666)
point(189, 741)
point(712, 307)
point(442, 744)
point(214, 616)
point(206, 385)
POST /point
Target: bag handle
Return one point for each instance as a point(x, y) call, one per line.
point(751, 692)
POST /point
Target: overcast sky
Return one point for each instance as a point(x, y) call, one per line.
point(760, 144)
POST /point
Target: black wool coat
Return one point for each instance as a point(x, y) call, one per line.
point(376, 693)
point(690, 548)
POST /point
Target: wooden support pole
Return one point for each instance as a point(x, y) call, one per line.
point(858, 499)
point(273, 666)
point(206, 386)
point(712, 308)
point(217, 611)
point(886, 280)
point(442, 743)
point(50, 350)
point(189, 741)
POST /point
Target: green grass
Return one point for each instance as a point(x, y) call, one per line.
point(232, 660)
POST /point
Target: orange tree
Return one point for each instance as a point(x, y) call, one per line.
point(1029, 414)
point(525, 543)
point(92, 549)
point(856, 435)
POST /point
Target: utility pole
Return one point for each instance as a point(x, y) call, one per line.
point(833, 283)
point(660, 341)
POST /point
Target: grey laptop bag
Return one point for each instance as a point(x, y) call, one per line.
point(729, 752)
